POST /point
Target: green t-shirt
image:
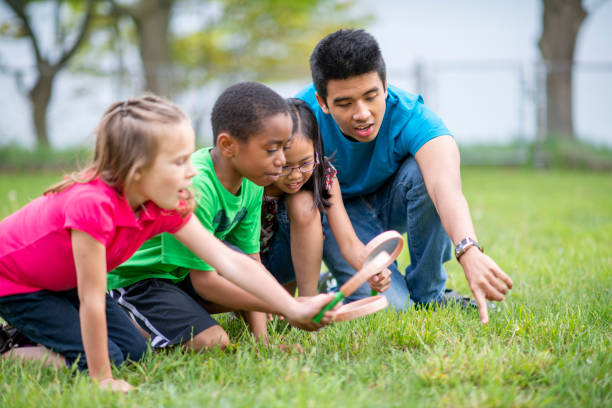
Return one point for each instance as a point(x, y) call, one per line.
point(232, 218)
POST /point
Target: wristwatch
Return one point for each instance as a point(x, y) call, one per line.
point(465, 244)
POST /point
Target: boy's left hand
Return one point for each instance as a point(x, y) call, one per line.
point(381, 281)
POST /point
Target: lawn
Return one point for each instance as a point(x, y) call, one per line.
point(549, 345)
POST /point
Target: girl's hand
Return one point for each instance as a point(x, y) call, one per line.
point(381, 281)
point(272, 316)
point(308, 308)
point(110, 384)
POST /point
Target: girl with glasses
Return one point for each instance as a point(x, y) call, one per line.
point(291, 225)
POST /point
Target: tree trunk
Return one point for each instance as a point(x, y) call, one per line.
point(152, 19)
point(40, 95)
point(561, 22)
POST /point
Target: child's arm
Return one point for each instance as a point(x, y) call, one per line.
point(251, 276)
point(306, 237)
point(226, 296)
point(351, 248)
point(220, 291)
point(90, 262)
point(213, 287)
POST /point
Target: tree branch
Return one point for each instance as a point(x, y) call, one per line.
point(595, 6)
point(19, 8)
point(120, 9)
point(18, 75)
point(81, 36)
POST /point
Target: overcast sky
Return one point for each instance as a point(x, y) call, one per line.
point(478, 29)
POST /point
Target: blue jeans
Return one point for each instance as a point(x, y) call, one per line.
point(401, 204)
point(52, 319)
point(277, 259)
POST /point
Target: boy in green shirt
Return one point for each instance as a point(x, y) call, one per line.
point(164, 285)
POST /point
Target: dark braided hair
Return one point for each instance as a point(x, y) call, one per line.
point(304, 122)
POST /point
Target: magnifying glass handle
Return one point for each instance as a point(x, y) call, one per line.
point(337, 298)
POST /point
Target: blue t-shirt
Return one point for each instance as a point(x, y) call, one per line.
point(364, 167)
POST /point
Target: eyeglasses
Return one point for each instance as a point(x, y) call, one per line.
point(302, 168)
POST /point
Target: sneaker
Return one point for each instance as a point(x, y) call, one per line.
point(327, 283)
point(10, 338)
point(451, 297)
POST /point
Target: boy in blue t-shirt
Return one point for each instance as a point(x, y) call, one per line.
point(398, 168)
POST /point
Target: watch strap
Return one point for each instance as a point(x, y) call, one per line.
point(465, 244)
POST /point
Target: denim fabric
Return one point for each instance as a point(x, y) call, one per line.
point(402, 204)
point(52, 319)
point(277, 259)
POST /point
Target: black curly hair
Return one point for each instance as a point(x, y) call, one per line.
point(344, 54)
point(241, 108)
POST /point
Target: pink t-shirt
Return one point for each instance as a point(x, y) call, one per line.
point(36, 246)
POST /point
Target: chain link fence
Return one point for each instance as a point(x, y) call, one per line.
point(498, 103)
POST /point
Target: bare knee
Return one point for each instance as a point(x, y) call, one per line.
point(212, 337)
point(36, 353)
point(301, 209)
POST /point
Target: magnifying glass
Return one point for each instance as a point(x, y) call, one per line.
point(382, 251)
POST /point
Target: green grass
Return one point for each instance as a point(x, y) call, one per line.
point(548, 346)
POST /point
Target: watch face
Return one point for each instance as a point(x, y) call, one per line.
point(464, 245)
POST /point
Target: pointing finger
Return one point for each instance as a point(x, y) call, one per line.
point(482, 307)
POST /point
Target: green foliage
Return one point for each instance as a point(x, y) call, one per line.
point(572, 155)
point(549, 345)
point(566, 153)
point(554, 153)
point(15, 157)
point(513, 154)
point(260, 40)
point(67, 16)
point(264, 40)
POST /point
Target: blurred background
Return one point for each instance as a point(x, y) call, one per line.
point(518, 82)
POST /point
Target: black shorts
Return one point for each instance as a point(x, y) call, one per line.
point(168, 311)
point(52, 319)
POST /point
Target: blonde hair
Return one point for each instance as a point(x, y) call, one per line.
point(126, 141)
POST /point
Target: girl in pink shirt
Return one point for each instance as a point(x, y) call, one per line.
point(55, 252)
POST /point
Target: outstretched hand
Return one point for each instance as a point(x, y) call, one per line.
point(310, 307)
point(381, 281)
point(486, 279)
